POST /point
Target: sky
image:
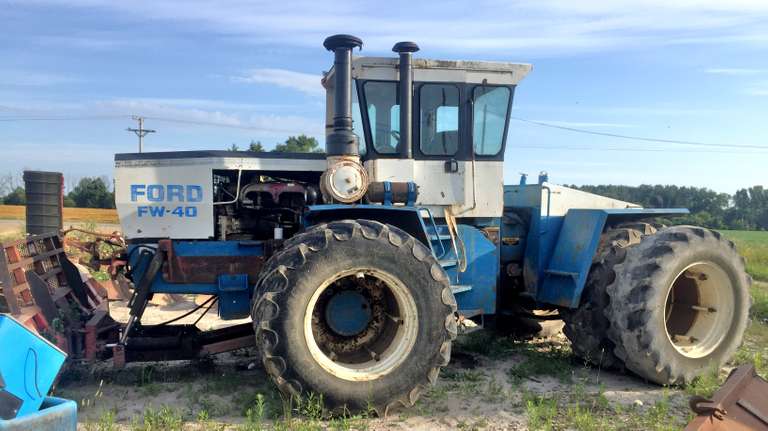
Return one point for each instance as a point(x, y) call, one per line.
point(73, 72)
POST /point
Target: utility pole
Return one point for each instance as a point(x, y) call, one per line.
point(141, 132)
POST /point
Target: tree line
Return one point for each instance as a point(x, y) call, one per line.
point(294, 144)
point(89, 192)
point(94, 192)
point(747, 209)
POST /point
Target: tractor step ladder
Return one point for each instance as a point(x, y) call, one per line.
point(459, 288)
point(448, 263)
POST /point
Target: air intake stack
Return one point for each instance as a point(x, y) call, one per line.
point(345, 180)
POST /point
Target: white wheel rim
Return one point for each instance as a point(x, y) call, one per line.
point(398, 349)
point(698, 310)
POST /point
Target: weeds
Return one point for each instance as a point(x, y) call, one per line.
point(706, 384)
point(552, 360)
point(106, 422)
point(488, 344)
point(164, 419)
point(541, 411)
point(759, 310)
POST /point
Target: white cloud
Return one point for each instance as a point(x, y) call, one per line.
point(735, 71)
point(304, 82)
point(87, 41)
point(173, 113)
point(490, 27)
point(587, 124)
point(758, 89)
point(26, 78)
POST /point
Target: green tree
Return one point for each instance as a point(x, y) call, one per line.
point(92, 193)
point(16, 197)
point(234, 147)
point(256, 146)
point(299, 144)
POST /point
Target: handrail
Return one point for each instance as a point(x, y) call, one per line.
point(437, 233)
point(450, 220)
point(549, 202)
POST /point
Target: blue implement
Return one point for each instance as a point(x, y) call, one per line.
point(29, 365)
point(55, 414)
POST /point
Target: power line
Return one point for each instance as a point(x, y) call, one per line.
point(79, 118)
point(225, 125)
point(537, 123)
point(141, 132)
point(635, 138)
point(165, 119)
point(630, 149)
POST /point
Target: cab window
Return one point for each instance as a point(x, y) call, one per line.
point(489, 118)
point(383, 115)
point(439, 119)
point(357, 121)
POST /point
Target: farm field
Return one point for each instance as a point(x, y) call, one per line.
point(95, 215)
point(12, 220)
point(753, 245)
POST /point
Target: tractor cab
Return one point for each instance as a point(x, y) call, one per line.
point(452, 143)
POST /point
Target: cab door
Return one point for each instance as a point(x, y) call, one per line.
point(439, 145)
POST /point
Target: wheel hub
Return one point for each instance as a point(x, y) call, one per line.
point(700, 303)
point(361, 324)
point(348, 313)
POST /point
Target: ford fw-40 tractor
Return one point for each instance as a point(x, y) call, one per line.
point(359, 266)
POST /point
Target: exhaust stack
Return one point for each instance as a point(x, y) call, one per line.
point(342, 141)
point(406, 49)
point(344, 180)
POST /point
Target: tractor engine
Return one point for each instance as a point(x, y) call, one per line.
point(259, 207)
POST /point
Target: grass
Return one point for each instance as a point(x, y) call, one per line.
point(753, 245)
point(571, 407)
point(548, 359)
point(760, 302)
point(582, 411)
point(98, 215)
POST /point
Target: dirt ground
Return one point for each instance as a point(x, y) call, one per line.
point(493, 382)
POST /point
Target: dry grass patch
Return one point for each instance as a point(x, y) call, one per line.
point(96, 215)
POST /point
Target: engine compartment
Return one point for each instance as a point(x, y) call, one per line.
point(261, 205)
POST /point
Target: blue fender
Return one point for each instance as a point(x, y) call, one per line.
point(406, 218)
point(563, 279)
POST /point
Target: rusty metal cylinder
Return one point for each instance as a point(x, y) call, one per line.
point(45, 198)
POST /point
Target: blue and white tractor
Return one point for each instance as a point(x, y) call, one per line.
point(361, 265)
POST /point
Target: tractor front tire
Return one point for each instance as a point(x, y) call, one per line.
point(358, 311)
point(678, 305)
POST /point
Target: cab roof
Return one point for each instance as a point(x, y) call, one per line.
point(426, 70)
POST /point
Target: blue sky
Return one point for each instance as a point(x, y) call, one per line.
point(694, 70)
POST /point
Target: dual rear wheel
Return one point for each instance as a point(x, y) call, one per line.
point(668, 305)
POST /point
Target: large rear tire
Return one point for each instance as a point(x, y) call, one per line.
point(678, 305)
point(358, 311)
point(587, 326)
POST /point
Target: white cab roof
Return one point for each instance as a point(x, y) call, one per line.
point(425, 70)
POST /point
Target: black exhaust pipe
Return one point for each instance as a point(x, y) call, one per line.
point(406, 49)
point(342, 141)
